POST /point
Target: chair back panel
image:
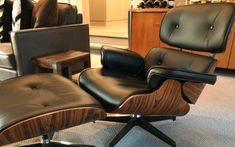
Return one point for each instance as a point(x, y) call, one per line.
point(203, 27)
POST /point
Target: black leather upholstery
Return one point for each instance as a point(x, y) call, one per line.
point(177, 59)
point(110, 87)
point(172, 78)
point(121, 60)
point(185, 27)
point(204, 28)
point(178, 74)
point(30, 96)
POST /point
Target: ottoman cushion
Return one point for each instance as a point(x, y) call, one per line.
point(29, 101)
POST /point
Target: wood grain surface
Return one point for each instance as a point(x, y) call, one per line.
point(49, 122)
point(192, 90)
point(64, 58)
point(167, 100)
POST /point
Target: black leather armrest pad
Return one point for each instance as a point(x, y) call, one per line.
point(122, 60)
point(183, 75)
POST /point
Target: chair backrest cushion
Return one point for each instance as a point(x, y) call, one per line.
point(203, 27)
point(178, 60)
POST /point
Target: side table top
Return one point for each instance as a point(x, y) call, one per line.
point(59, 58)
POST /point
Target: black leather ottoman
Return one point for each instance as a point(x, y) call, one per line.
point(37, 105)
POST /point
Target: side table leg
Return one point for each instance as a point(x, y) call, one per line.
point(87, 63)
point(37, 69)
point(57, 68)
point(70, 72)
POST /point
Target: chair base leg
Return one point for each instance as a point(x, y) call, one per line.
point(127, 118)
point(144, 123)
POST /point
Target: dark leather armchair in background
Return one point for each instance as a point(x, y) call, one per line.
point(161, 85)
point(15, 57)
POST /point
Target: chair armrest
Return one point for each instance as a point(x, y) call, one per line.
point(122, 60)
point(179, 74)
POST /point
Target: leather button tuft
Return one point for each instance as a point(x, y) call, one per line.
point(33, 87)
point(177, 26)
point(45, 105)
point(159, 62)
point(211, 27)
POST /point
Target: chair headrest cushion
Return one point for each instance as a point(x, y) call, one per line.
point(203, 27)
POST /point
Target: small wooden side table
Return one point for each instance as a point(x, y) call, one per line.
point(63, 60)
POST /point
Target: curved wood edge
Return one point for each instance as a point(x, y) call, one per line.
point(167, 100)
point(192, 90)
point(49, 122)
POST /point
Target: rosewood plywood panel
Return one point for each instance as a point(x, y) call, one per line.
point(49, 122)
point(167, 100)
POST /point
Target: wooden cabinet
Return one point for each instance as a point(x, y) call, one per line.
point(231, 64)
point(144, 25)
point(144, 29)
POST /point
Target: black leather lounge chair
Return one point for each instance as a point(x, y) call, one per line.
point(157, 87)
point(162, 84)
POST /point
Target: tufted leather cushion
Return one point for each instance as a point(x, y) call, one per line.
point(179, 60)
point(39, 94)
point(110, 87)
point(7, 58)
point(202, 27)
point(45, 14)
point(123, 60)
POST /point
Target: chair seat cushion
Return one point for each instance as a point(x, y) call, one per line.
point(30, 96)
point(111, 88)
point(7, 58)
